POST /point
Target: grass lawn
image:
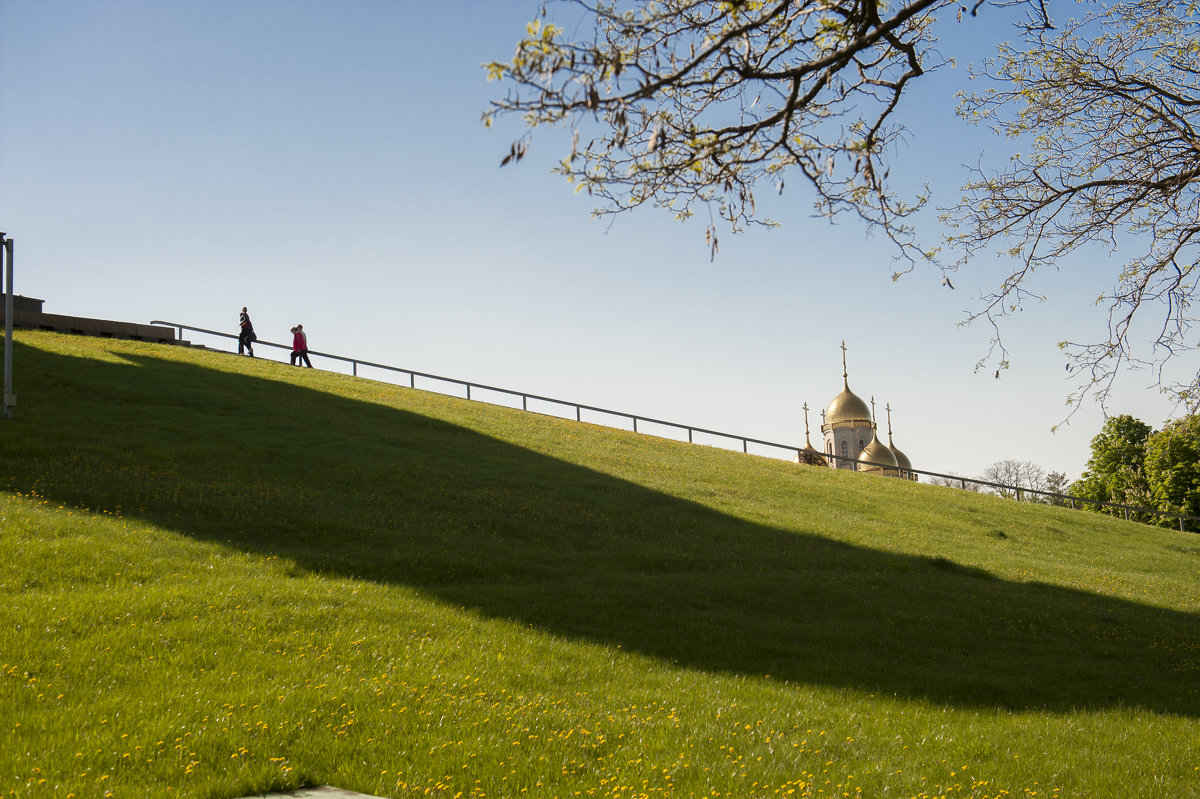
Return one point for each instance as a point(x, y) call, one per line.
point(225, 576)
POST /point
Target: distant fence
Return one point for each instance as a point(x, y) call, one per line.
point(691, 431)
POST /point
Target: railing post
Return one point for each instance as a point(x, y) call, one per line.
point(690, 435)
point(354, 368)
point(634, 424)
point(745, 447)
point(468, 390)
point(524, 402)
point(578, 414)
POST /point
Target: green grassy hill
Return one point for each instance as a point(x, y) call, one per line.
point(225, 575)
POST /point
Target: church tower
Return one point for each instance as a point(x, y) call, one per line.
point(847, 427)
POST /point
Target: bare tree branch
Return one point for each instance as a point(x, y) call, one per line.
point(1107, 109)
point(694, 105)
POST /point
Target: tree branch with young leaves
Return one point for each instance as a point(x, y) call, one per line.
point(1106, 111)
point(693, 105)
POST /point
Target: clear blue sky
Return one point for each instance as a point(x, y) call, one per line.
point(324, 163)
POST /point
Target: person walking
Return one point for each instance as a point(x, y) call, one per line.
point(300, 346)
point(246, 337)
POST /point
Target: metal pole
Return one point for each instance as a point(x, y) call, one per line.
point(9, 399)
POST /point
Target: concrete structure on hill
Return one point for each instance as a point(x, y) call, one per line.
point(851, 437)
point(27, 312)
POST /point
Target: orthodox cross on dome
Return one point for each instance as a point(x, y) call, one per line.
point(807, 440)
point(888, 407)
point(845, 374)
point(873, 424)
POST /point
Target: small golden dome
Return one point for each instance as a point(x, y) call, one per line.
point(901, 459)
point(876, 453)
point(810, 457)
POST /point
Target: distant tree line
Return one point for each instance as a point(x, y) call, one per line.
point(1013, 479)
point(1131, 464)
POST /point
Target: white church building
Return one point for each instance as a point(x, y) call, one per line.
point(851, 439)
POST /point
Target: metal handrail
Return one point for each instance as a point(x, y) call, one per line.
point(746, 441)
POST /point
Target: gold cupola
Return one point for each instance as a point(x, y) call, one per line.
point(847, 409)
point(809, 455)
point(902, 460)
point(877, 458)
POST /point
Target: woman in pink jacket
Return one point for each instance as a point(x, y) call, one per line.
point(300, 346)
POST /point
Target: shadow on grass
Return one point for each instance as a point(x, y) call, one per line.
point(352, 488)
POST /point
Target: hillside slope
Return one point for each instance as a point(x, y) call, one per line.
point(333, 580)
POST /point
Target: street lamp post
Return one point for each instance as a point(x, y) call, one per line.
point(6, 254)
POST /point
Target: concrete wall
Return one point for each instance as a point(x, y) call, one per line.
point(27, 312)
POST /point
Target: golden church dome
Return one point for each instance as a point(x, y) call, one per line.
point(847, 410)
point(809, 455)
point(876, 453)
point(901, 459)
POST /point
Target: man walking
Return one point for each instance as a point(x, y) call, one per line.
point(246, 337)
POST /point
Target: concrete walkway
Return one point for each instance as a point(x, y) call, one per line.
point(323, 792)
